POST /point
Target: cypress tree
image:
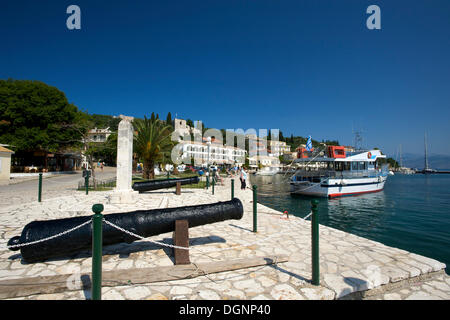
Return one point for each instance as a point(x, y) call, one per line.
point(169, 119)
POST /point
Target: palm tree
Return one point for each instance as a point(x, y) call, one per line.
point(151, 143)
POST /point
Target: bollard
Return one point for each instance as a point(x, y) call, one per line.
point(40, 188)
point(86, 183)
point(315, 243)
point(255, 228)
point(232, 189)
point(97, 239)
point(213, 183)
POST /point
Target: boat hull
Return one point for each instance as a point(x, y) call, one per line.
point(333, 188)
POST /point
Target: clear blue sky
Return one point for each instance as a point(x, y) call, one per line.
point(306, 67)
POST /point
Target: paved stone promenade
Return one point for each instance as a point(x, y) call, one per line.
point(351, 267)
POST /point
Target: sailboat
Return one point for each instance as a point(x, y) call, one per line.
point(401, 169)
point(427, 169)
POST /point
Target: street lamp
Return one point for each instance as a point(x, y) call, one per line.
point(208, 143)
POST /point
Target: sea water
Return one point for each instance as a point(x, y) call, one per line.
point(411, 213)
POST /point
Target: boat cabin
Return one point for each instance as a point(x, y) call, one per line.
point(342, 164)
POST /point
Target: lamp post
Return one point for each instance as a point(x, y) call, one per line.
point(208, 143)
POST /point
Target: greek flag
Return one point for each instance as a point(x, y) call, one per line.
point(309, 144)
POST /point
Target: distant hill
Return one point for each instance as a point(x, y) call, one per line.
point(435, 161)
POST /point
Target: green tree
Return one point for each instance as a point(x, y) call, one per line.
point(32, 115)
point(169, 119)
point(152, 141)
point(190, 123)
point(104, 121)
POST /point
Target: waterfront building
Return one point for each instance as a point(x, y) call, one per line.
point(99, 135)
point(44, 161)
point(263, 160)
point(5, 164)
point(278, 148)
point(214, 153)
point(289, 155)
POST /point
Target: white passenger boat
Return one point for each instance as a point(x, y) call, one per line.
point(339, 173)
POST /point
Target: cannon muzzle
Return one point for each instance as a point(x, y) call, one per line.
point(145, 223)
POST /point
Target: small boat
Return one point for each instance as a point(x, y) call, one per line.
point(340, 173)
point(267, 171)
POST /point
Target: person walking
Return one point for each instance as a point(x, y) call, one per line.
point(243, 179)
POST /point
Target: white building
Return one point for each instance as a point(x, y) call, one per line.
point(5, 165)
point(99, 135)
point(265, 161)
point(215, 153)
point(278, 148)
point(181, 127)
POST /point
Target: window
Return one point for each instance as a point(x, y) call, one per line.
point(362, 165)
point(354, 166)
point(339, 166)
point(347, 166)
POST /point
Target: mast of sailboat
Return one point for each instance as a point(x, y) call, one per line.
point(426, 153)
point(401, 160)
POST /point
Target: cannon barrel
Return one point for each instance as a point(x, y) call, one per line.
point(145, 223)
point(162, 183)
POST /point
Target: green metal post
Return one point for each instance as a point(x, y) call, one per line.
point(40, 188)
point(255, 202)
point(97, 242)
point(213, 183)
point(86, 182)
point(315, 243)
point(232, 189)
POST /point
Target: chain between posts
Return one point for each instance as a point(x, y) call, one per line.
point(183, 248)
point(51, 237)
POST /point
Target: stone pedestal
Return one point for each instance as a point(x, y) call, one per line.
point(123, 193)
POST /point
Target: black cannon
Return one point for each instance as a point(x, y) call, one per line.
point(162, 183)
point(145, 223)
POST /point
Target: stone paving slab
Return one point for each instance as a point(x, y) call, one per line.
point(348, 263)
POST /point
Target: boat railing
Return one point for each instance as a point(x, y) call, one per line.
point(340, 174)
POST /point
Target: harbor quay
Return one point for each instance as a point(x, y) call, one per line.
point(351, 267)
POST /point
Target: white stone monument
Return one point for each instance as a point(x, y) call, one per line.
point(123, 193)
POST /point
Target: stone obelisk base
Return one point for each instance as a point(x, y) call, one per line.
point(123, 196)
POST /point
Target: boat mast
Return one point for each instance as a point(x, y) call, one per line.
point(401, 160)
point(426, 152)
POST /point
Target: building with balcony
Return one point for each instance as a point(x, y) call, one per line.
point(203, 153)
point(99, 135)
point(278, 148)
